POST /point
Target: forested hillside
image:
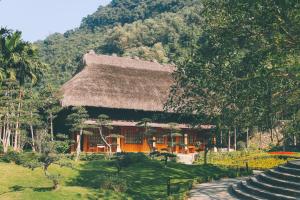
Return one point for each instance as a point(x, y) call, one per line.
point(153, 30)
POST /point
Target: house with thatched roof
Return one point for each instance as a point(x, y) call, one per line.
point(128, 90)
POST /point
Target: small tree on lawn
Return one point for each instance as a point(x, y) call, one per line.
point(46, 158)
point(165, 156)
point(148, 132)
point(77, 120)
point(173, 133)
point(104, 121)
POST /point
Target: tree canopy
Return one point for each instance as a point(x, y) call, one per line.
point(244, 70)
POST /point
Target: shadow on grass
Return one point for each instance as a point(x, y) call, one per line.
point(43, 189)
point(19, 188)
point(147, 179)
point(15, 188)
point(91, 174)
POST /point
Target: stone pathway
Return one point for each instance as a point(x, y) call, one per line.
point(187, 159)
point(216, 190)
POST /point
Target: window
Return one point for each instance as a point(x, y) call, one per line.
point(181, 140)
point(191, 138)
point(160, 140)
point(95, 140)
point(132, 137)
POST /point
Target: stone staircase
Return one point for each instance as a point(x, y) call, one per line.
point(282, 183)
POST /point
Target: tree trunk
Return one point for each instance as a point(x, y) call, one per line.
point(32, 138)
point(221, 138)
point(247, 138)
point(295, 140)
point(6, 141)
point(271, 133)
point(228, 148)
point(1, 133)
point(235, 138)
point(102, 137)
point(16, 145)
point(4, 137)
point(205, 154)
point(51, 127)
point(78, 149)
point(171, 144)
point(16, 136)
point(260, 139)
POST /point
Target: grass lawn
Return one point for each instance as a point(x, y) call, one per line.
point(145, 180)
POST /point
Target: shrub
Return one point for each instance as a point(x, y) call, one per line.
point(241, 145)
point(201, 179)
point(12, 156)
point(1, 149)
point(91, 156)
point(69, 156)
point(123, 160)
point(62, 146)
point(136, 157)
point(115, 183)
point(256, 159)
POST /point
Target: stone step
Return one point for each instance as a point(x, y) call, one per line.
point(289, 170)
point(236, 191)
point(263, 193)
point(283, 175)
point(294, 164)
point(273, 189)
point(277, 182)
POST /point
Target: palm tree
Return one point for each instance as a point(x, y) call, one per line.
point(18, 62)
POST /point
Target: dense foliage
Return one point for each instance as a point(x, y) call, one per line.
point(244, 72)
point(28, 104)
point(128, 11)
point(161, 31)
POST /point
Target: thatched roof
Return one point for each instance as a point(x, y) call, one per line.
point(120, 83)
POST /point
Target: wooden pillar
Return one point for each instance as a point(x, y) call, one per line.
point(119, 144)
point(154, 142)
point(85, 143)
point(177, 141)
point(186, 142)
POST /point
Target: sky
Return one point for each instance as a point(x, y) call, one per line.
point(39, 18)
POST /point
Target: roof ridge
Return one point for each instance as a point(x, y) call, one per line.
point(91, 59)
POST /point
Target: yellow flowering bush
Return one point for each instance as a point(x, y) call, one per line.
point(255, 159)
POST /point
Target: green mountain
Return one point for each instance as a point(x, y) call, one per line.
point(152, 30)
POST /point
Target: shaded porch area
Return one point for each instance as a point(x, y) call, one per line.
point(128, 137)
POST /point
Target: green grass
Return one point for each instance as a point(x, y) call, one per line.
point(146, 180)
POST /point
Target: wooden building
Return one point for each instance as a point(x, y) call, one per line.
point(128, 90)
